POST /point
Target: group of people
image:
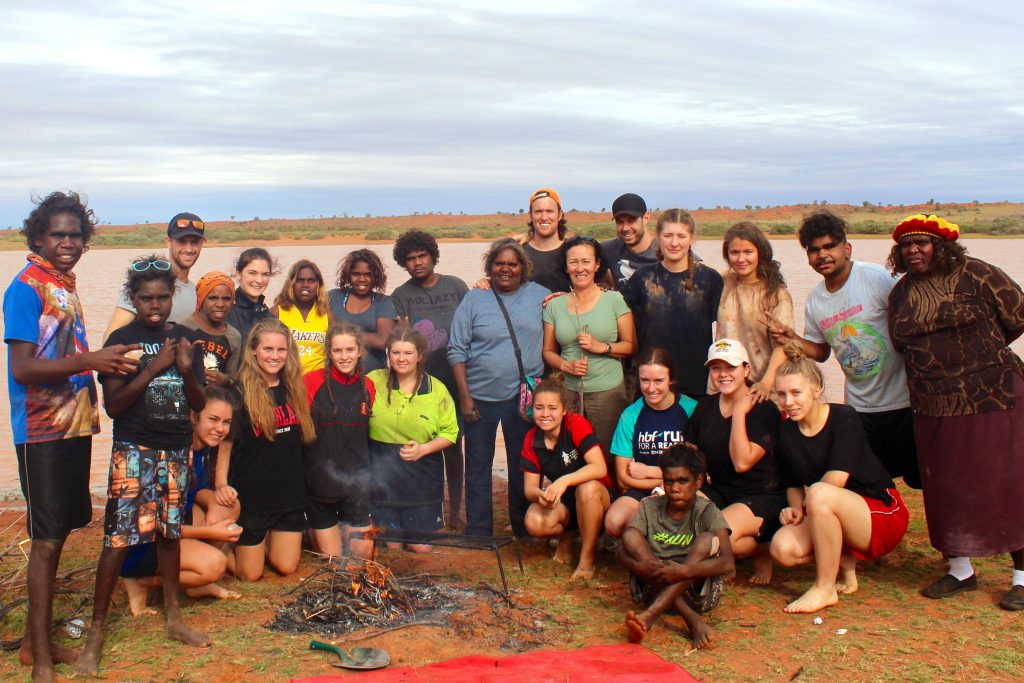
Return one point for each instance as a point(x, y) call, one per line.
point(641, 394)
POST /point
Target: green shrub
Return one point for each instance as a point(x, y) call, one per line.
point(783, 229)
point(380, 234)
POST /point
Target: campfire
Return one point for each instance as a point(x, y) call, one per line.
point(360, 593)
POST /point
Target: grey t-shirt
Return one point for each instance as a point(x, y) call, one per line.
point(182, 306)
point(623, 262)
point(381, 306)
point(430, 311)
point(669, 538)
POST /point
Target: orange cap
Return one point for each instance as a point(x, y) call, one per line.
point(546, 192)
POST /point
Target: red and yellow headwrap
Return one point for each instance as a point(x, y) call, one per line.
point(919, 224)
point(208, 282)
point(546, 192)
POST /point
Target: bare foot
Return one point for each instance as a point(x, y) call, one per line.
point(636, 627)
point(60, 654)
point(563, 552)
point(88, 663)
point(813, 600)
point(847, 583)
point(701, 632)
point(138, 595)
point(762, 575)
point(212, 590)
point(184, 634)
point(584, 573)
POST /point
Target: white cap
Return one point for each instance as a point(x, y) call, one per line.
point(729, 350)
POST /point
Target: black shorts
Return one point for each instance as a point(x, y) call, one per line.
point(891, 435)
point(429, 517)
point(255, 527)
point(348, 512)
point(55, 482)
point(767, 506)
point(637, 494)
point(142, 561)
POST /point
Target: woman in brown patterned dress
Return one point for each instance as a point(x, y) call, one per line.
point(953, 318)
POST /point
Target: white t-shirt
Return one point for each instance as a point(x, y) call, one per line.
point(854, 322)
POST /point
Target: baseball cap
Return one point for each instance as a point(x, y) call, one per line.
point(546, 192)
point(185, 224)
point(629, 204)
point(729, 350)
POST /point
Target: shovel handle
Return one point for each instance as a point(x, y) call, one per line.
point(326, 647)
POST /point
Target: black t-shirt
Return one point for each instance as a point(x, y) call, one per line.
point(268, 475)
point(710, 432)
point(840, 446)
point(623, 262)
point(677, 319)
point(159, 418)
point(574, 440)
point(548, 268)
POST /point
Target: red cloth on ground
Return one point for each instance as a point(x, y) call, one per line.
point(621, 663)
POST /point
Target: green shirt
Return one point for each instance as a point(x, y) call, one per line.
point(602, 322)
point(398, 417)
point(670, 538)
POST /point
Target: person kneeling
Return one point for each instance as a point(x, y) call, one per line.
point(563, 449)
point(677, 549)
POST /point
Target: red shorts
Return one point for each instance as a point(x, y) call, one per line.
point(888, 524)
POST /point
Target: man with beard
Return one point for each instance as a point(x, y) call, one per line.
point(635, 246)
point(427, 303)
point(186, 233)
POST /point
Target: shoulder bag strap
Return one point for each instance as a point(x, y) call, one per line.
point(512, 334)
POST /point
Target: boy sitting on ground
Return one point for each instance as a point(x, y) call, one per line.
point(677, 546)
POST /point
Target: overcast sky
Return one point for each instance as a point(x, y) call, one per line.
point(277, 109)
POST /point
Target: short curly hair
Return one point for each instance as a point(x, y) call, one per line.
point(821, 223)
point(415, 240)
point(947, 255)
point(377, 275)
point(53, 204)
point(134, 279)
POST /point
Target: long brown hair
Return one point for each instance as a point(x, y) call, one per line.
point(286, 298)
point(683, 217)
point(769, 271)
point(256, 395)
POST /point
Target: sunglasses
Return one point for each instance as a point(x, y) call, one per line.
point(143, 266)
point(186, 222)
point(581, 239)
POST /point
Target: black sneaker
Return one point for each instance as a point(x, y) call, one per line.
point(949, 586)
point(706, 595)
point(636, 588)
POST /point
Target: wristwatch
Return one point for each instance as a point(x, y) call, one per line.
point(609, 350)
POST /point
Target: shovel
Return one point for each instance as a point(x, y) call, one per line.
point(360, 657)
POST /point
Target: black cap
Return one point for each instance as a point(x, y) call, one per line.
point(629, 204)
point(185, 224)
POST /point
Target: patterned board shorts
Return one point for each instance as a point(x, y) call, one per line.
point(146, 494)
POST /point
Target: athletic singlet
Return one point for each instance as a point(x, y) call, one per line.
point(309, 335)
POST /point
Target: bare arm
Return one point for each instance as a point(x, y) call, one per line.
point(531, 486)
point(622, 467)
point(742, 451)
point(716, 565)
point(594, 469)
point(27, 369)
point(379, 339)
point(782, 334)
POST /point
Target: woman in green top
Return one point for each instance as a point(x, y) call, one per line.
point(585, 335)
point(413, 420)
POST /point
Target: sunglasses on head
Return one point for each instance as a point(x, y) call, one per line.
point(186, 222)
point(143, 266)
point(584, 239)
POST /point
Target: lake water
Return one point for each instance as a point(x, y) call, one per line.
point(101, 273)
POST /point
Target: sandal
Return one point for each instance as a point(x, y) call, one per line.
point(949, 586)
point(1013, 601)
